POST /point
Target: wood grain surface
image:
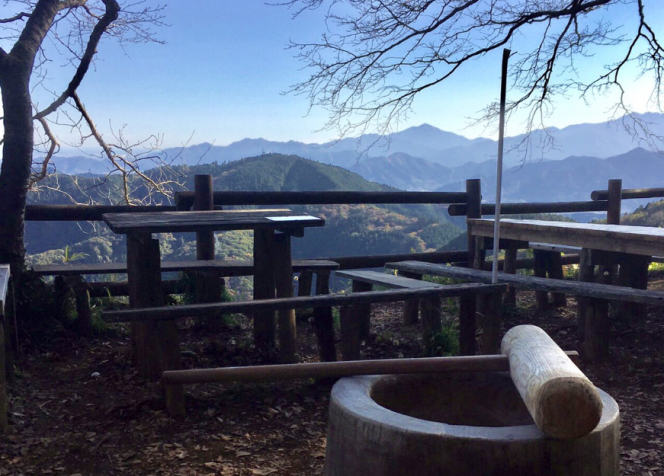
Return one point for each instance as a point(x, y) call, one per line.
point(562, 401)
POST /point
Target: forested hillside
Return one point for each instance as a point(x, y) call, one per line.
point(350, 230)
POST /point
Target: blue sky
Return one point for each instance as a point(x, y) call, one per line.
point(222, 72)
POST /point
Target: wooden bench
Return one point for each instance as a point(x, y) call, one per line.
point(595, 328)
point(357, 322)
point(72, 275)
point(169, 348)
point(4, 285)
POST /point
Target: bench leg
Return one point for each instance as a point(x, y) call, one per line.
point(510, 268)
point(82, 298)
point(586, 274)
point(350, 333)
point(363, 311)
point(283, 276)
point(489, 317)
point(634, 274)
point(324, 323)
point(539, 270)
point(265, 325)
point(209, 288)
point(596, 342)
point(304, 283)
point(555, 271)
point(411, 308)
point(467, 328)
point(431, 322)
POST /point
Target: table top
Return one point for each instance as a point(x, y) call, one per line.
point(214, 220)
point(641, 240)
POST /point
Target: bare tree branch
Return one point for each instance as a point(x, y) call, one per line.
point(380, 54)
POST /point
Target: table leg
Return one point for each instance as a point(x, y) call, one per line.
point(265, 328)
point(283, 277)
point(155, 344)
point(634, 273)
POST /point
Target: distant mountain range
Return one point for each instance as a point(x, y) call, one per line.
point(422, 142)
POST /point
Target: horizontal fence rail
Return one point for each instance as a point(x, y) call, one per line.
point(630, 193)
point(461, 209)
point(86, 212)
point(185, 200)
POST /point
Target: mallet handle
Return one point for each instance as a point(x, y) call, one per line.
point(481, 363)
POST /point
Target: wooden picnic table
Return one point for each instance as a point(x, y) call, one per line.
point(156, 343)
point(631, 248)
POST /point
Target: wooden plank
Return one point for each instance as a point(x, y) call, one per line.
point(233, 267)
point(592, 290)
point(389, 280)
point(263, 373)
point(215, 220)
point(639, 240)
point(321, 301)
point(555, 248)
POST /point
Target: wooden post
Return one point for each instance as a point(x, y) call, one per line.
point(467, 326)
point(304, 283)
point(489, 315)
point(555, 271)
point(362, 312)
point(473, 210)
point(283, 276)
point(324, 322)
point(432, 309)
point(596, 332)
point(82, 298)
point(350, 333)
point(156, 345)
point(586, 274)
point(265, 328)
point(614, 202)
point(539, 270)
point(510, 268)
point(562, 401)
point(208, 284)
point(411, 308)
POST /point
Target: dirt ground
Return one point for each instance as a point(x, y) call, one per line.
point(78, 408)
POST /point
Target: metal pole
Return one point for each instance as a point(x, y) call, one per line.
point(499, 167)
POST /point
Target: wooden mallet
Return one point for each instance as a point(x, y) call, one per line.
point(562, 401)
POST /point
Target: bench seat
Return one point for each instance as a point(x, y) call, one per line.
point(590, 290)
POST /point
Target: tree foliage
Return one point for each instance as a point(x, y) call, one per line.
point(380, 54)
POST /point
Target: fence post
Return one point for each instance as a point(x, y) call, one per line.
point(614, 202)
point(473, 210)
point(208, 283)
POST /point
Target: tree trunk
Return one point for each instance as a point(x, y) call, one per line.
point(17, 159)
